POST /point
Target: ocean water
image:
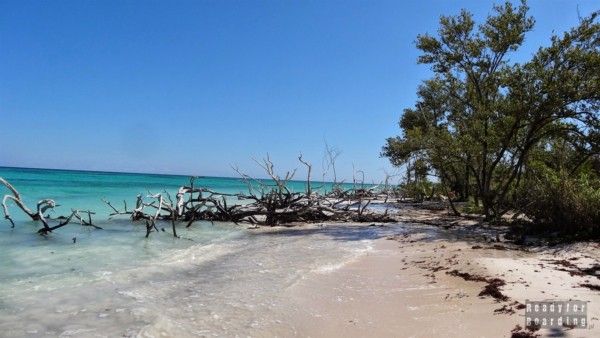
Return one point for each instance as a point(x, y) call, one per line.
point(85, 189)
point(217, 280)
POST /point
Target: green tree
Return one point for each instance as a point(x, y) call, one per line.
point(478, 120)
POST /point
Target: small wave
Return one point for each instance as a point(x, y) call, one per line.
point(355, 253)
point(163, 326)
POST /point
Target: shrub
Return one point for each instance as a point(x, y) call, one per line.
point(419, 191)
point(471, 207)
point(562, 201)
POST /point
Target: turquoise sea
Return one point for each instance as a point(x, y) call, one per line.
point(218, 279)
point(86, 189)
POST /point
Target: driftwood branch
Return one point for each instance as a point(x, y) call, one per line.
point(308, 172)
point(42, 207)
point(271, 204)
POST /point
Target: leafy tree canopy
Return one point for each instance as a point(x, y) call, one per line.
point(481, 118)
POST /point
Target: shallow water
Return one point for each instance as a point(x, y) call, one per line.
point(218, 279)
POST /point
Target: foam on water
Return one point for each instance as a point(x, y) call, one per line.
point(353, 254)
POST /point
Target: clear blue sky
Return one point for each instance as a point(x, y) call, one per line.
point(192, 87)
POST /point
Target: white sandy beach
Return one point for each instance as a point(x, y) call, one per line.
point(393, 292)
point(399, 286)
point(319, 280)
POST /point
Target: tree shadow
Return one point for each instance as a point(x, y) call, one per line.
point(358, 232)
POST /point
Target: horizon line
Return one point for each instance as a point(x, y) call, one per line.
point(162, 174)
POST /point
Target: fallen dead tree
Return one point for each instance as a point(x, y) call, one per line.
point(43, 206)
point(264, 204)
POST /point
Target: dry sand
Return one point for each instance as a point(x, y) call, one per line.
point(402, 288)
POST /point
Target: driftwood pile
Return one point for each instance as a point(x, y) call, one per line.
point(265, 204)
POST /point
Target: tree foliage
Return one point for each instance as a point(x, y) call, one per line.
point(482, 120)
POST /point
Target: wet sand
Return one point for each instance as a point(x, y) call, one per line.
point(402, 288)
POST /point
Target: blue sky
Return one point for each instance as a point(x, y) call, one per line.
point(192, 87)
